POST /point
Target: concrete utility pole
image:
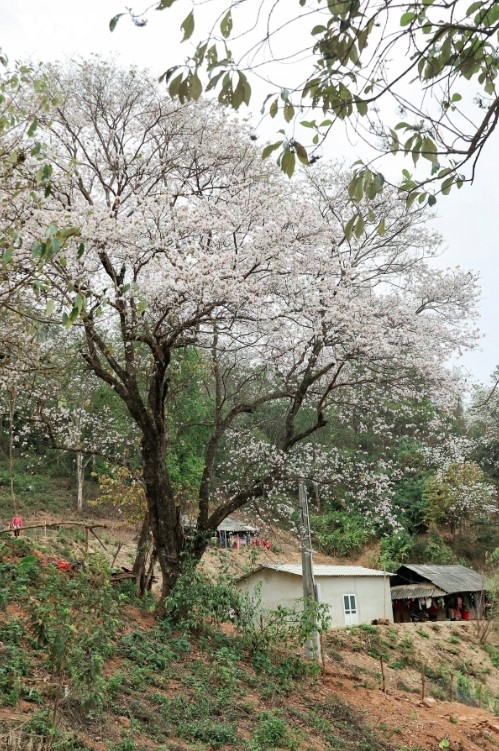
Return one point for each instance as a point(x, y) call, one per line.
point(310, 591)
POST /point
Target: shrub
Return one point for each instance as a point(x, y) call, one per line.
point(341, 534)
point(272, 733)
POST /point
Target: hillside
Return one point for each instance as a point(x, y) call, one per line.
point(85, 667)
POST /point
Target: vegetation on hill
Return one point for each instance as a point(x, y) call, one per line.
point(84, 666)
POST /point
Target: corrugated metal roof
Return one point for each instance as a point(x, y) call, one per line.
point(413, 591)
point(326, 570)
point(228, 525)
point(320, 570)
point(234, 525)
point(449, 578)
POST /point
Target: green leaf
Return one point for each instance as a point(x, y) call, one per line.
point(447, 185)
point(175, 85)
point(165, 4)
point(79, 301)
point(361, 107)
point(429, 149)
point(288, 162)
point(187, 26)
point(273, 108)
point(168, 74)
point(243, 89)
point(50, 307)
point(67, 232)
point(411, 198)
point(195, 87)
point(359, 226)
point(474, 7)
point(226, 25)
point(380, 229)
point(301, 152)
point(289, 112)
point(267, 151)
point(432, 200)
point(33, 127)
point(407, 18)
point(349, 227)
point(356, 188)
point(81, 250)
point(114, 21)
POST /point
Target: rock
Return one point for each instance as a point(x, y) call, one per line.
point(428, 701)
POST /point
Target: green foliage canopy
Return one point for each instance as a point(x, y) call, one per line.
point(417, 78)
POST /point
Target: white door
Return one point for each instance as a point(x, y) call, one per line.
point(350, 608)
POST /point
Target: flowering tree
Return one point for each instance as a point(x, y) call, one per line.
point(191, 242)
point(457, 495)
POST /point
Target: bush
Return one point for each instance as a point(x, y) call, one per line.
point(272, 733)
point(395, 550)
point(216, 734)
point(341, 534)
point(199, 604)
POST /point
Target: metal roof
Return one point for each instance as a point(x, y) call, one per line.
point(234, 525)
point(228, 525)
point(413, 591)
point(449, 578)
point(320, 570)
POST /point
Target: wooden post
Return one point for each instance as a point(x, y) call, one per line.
point(451, 688)
point(423, 682)
point(310, 595)
point(383, 687)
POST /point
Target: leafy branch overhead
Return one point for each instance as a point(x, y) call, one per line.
point(417, 79)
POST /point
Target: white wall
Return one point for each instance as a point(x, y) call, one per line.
point(281, 588)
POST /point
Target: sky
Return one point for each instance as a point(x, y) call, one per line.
point(59, 29)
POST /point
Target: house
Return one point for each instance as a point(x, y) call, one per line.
point(234, 533)
point(434, 592)
point(231, 533)
point(354, 594)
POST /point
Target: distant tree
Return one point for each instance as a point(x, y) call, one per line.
point(458, 495)
point(191, 243)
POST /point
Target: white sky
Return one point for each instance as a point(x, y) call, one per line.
point(56, 29)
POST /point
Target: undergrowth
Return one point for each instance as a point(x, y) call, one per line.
point(209, 676)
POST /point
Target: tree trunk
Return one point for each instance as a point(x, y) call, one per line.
point(164, 516)
point(144, 545)
point(79, 481)
point(169, 545)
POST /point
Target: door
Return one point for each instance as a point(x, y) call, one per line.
point(350, 608)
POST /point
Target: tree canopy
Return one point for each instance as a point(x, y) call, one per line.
point(417, 78)
point(197, 267)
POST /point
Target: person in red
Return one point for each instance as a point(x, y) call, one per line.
point(16, 525)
